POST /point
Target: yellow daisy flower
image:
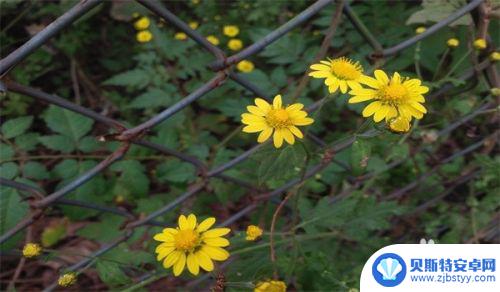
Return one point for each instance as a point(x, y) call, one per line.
point(142, 23)
point(253, 232)
point(194, 24)
point(231, 30)
point(180, 36)
point(235, 44)
point(192, 244)
point(495, 56)
point(420, 30)
point(394, 97)
point(453, 43)
point(274, 118)
point(270, 286)
point(339, 73)
point(67, 280)
point(144, 36)
point(480, 44)
point(32, 250)
point(399, 124)
point(245, 66)
point(213, 40)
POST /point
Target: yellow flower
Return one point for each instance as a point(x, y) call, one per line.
point(245, 66)
point(270, 286)
point(144, 36)
point(399, 124)
point(420, 30)
point(339, 73)
point(192, 244)
point(453, 43)
point(480, 44)
point(32, 250)
point(180, 36)
point(195, 2)
point(394, 97)
point(135, 14)
point(495, 91)
point(213, 40)
point(231, 30)
point(253, 232)
point(235, 44)
point(495, 56)
point(142, 23)
point(194, 24)
point(268, 118)
point(67, 279)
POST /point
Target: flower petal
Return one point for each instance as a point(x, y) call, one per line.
point(277, 139)
point(370, 81)
point(216, 241)
point(171, 259)
point(206, 224)
point(191, 221)
point(380, 113)
point(343, 86)
point(320, 67)
point(264, 135)
point(254, 128)
point(249, 118)
point(371, 108)
point(164, 252)
point(192, 264)
point(216, 232)
point(296, 131)
point(362, 94)
point(204, 261)
point(215, 253)
point(277, 103)
point(179, 265)
point(256, 110)
point(302, 121)
point(288, 136)
point(262, 104)
point(381, 77)
point(183, 223)
point(166, 237)
point(294, 107)
point(418, 107)
point(320, 74)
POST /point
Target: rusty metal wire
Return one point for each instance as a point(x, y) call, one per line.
point(222, 67)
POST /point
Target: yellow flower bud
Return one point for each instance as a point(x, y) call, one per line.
point(480, 44)
point(253, 232)
point(213, 40)
point(245, 66)
point(453, 43)
point(142, 23)
point(495, 56)
point(180, 36)
point(399, 124)
point(420, 30)
point(231, 30)
point(67, 280)
point(271, 285)
point(32, 250)
point(144, 36)
point(495, 91)
point(194, 24)
point(235, 44)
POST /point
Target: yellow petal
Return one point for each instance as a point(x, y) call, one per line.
point(380, 114)
point(256, 110)
point(192, 264)
point(164, 252)
point(277, 139)
point(372, 82)
point(396, 78)
point(371, 108)
point(353, 84)
point(332, 88)
point(297, 115)
point(320, 74)
point(360, 95)
point(164, 237)
point(216, 241)
point(277, 102)
point(262, 104)
point(179, 265)
point(381, 77)
point(216, 232)
point(303, 121)
point(294, 107)
point(391, 113)
point(204, 261)
point(408, 111)
point(170, 230)
point(206, 224)
point(296, 131)
point(252, 118)
point(254, 128)
point(171, 259)
point(183, 223)
point(264, 135)
point(215, 253)
point(423, 89)
point(418, 107)
point(287, 135)
point(164, 246)
point(320, 67)
point(343, 86)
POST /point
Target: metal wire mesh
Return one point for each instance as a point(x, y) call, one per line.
point(222, 65)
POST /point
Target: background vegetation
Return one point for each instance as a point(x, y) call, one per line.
point(335, 220)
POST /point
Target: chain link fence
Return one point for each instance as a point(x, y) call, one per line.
point(222, 67)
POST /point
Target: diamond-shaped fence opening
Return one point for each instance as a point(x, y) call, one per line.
point(222, 66)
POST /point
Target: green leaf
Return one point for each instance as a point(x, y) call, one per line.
point(8, 170)
point(36, 170)
point(15, 127)
point(136, 78)
point(27, 141)
point(360, 155)
point(58, 143)
point(6, 151)
point(437, 10)
point(154, 97)
point(280, 163)
point(67, 123)
point(53, 234)
point(107, 229)
point(132, 181)
point(12, 211)
point(111, 274)
point(175, 171)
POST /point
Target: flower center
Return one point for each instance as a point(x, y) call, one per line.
point(278, 118)
point(343, 69)
point(186, 239)
point(394, 92)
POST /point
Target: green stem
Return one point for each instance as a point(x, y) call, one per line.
point(440, 64)
point(143, 283)
point(417, 61)
point(455, 67)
